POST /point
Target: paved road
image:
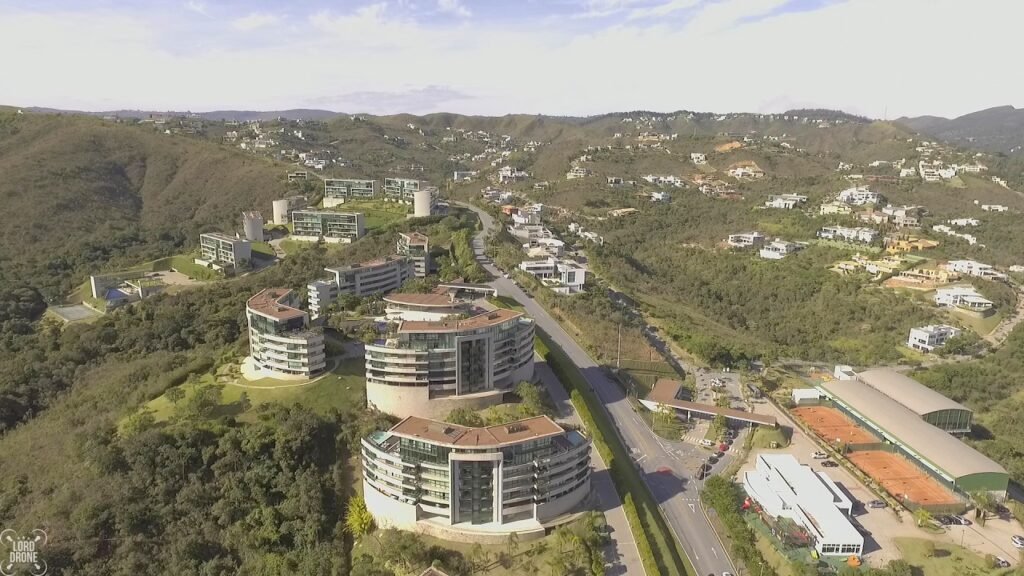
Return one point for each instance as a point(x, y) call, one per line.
point(661, 466)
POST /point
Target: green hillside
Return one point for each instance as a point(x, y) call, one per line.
point(80, 194)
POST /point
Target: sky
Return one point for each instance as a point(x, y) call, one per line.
point(878, 58)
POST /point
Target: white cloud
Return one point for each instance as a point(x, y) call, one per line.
point(732, 55)
point(197, 6)
point(453, 7)
point(254, 21)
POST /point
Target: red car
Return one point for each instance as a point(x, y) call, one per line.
point(723, 447)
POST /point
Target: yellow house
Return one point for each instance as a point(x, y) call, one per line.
point(908, 244)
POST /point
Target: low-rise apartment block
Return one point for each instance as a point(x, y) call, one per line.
point(778, 249)
point(746, 240)
point(404, 189)
point(858, 235)
point(334, 227)
point(963, 297)
point(340, 190)
point(430, 368)
point(474, 483)
point(220, 251)
point(372, 277)
point(281, 343)
point(928, 338)
point(908, 244)
point(416, 248)
point(561, 276)
point(904, 216)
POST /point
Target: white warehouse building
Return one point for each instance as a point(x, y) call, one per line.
point(782, 487)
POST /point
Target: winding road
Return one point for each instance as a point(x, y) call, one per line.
point(660, 465)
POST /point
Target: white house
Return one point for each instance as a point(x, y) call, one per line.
point(577, 172)
point(962, 297)
point(698, 158)
point(859, 196)
point(846, 234)
point(510, 174)
point(928, 338)
point(942, 228)
point(973, 222)
point(779, 249)
point(973, 268)
point(562, 276)
point(994, 208)
point(746, 240)
point(908, 172)
point(785, 201)
point(782, 487)
point(660, 196)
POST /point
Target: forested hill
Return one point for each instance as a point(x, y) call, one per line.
point(78, 194)
point(1000, 129)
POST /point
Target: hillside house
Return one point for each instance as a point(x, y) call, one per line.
point(698, 158)
point(928, 276)
point(973, 268)
point(943, 229)
point(928, 338)
point(859, 196)
point(859, 235)
point(785, 201)
point(838, 208)
point(746, 240)
point(577, 172)
point(561, 276)
point(745, 170)
point(972, 222)
point(896, 244)
point(962, 297)
point(994, 208)
point(779, 249)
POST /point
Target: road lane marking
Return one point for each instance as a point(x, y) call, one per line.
point(713, 552)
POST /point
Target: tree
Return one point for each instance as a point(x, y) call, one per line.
point(138, 422)
point(358, 520)
point(983, 503)
point(465, 417)
point(922, 517)
point(204, 401)
point(478, 557)
point(175, 395)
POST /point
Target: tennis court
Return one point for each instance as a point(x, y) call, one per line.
point(833, 426)
point(901, 478)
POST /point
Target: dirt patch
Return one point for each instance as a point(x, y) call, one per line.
point(901, 478)
point(833, 426)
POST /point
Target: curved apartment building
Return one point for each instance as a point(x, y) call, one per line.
point(472, 483)
point(280, 340)
point(429, 368)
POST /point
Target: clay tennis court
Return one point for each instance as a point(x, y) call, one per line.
point(831, 425)
point(899, 477)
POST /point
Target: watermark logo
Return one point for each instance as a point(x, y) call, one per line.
point(21, 553)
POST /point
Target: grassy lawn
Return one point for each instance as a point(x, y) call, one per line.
point(506, 302)
point(344, 386)
point(535, 552)
point(981, 326)
point(947, 560)
point(764, 436)
point(377, 213)
point(184, 264)
point(263, 248)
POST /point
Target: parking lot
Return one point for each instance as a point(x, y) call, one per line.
point(712, 384)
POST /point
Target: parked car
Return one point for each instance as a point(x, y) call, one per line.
point(723, 447)
point(706, 442)
point(829, 464)
point(719, 454)
point(944, 519)
point(818, 455)
point(961, 520)
point(1018, 541)
point(1002, 562)
point(877, 504)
